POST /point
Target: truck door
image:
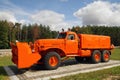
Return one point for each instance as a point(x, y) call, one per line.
point(71, 44)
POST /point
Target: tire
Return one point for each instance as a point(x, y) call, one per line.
point(51, 61)
point(105, 57)
point(79, 59)
point(96, 56)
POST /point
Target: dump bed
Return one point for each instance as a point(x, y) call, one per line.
point(94, 41)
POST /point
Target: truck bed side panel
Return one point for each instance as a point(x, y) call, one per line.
point(94, 41)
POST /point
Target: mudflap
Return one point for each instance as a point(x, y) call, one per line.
point(23, 56)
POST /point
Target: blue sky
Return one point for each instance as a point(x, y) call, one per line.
point(61, 13)
point(67, 7)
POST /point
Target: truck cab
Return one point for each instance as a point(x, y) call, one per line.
point(71, 42)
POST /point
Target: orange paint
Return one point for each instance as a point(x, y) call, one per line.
point(53, 61)
point(94, 41)
point(24, 57)
point(67, 44)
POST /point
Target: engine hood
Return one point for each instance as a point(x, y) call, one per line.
point(51, 43)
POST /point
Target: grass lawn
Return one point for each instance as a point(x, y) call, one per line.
point(97, 75)
point(101, 74)
point(4, 61)
point(115, 54)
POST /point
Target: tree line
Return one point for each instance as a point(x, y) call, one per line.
point(112, 31)
point(10, 32)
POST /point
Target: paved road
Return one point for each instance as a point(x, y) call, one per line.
point(69, 67)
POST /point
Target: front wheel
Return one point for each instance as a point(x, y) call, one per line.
point(51, 60)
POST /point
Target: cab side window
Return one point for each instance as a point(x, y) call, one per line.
point(71, 37)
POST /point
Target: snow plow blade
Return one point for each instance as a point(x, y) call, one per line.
point(23, 56)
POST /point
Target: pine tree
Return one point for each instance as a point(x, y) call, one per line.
point(4, 35)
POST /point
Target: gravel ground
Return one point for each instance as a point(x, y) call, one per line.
point(5, 52)
point(68, 67)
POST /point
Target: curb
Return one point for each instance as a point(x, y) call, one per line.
point(10, 73)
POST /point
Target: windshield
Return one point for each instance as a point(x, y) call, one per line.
point(61, 36)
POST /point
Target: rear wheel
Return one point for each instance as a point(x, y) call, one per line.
point(96, 56)
point(105, 56)
point(51, 60)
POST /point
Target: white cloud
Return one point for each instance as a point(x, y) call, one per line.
point(99, 13)
point(24, 22)
point(7, 16)
point(12, 12)
point(7, 5)
point(47, 17)
point(61, 25)
point(53, 19)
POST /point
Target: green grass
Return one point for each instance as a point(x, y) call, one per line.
point(4, 61)
point(97, 75)
point(115, 54)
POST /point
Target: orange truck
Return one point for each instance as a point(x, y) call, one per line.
point(50, 52)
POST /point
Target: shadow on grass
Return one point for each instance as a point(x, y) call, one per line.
point(2, 71)
point(14, 69)
point(17, 71)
